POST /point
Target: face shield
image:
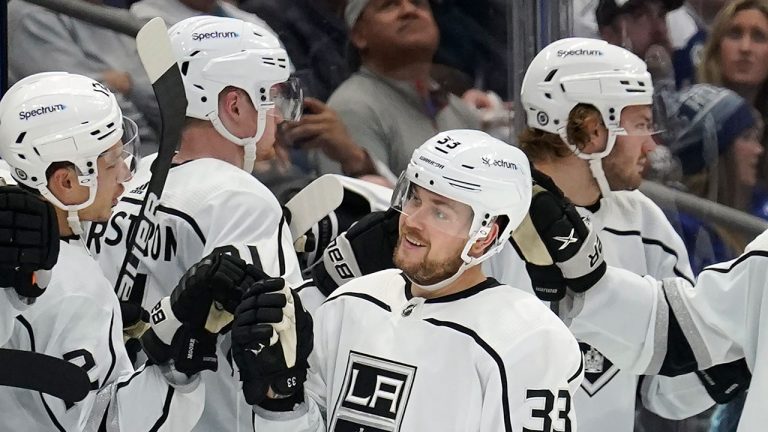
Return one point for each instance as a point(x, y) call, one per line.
point(128, 157)
point(287, 98)
point(428, 209)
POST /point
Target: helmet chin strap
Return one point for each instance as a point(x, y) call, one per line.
point(248, 144)
point(73, 219)
point(596, 167)
point(595, 160)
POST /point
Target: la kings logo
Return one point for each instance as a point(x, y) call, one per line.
point(373, 396)
point(598, 370)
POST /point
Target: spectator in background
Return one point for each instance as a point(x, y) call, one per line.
point(40, 40)
point(391, 104)
point(736, 57)
point(717, 144)
point(173, 11)
point(641, 27)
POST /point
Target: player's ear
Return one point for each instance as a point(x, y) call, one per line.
point(64, 185)
point(596, 132)
point(228, 103)
point(482, 244)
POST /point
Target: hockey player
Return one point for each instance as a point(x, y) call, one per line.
point(590, 128)
point(433, 344)
point(236, 78)
point(65, 138)
point(668, 326)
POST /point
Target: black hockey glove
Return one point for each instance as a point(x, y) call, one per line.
point(725, 381)
point(557, 244)
point(184, 325)
point(271, 342)
point(365, 248)
point(29, 240)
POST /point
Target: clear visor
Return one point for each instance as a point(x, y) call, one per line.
point(126, 157)
point(642, 127)
point(424, 208)
point(287, 98)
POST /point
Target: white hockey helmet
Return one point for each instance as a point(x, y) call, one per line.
point(576, 71)
point(62, 117)
point(471, 167)
point(214, 53)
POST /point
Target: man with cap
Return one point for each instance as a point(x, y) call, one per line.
point(638, 25)
point(391, 104)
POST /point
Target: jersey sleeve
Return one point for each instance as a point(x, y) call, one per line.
point(87, 331)
point(543, 371)
point(672, 327)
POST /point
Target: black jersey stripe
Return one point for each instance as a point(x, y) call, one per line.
point(111, 350)
point(738, 261)
point(362, 296)
point(166, 409)
point(31, 334)
point(496, 358)
point(280, 257)
point(307, 283)
point(173, 212)
point(128, 381)
point(578, 371)
point(653, 242)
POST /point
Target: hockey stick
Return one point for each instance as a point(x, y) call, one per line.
point(157, 57)
point(43, 373)
point(313, 203)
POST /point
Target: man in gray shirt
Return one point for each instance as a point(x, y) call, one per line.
point(391, 104)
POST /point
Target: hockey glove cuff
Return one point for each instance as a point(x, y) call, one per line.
point(189, 349)
point(554, 237)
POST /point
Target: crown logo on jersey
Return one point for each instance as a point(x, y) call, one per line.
point(593, 361)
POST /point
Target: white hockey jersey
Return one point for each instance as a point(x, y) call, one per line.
point(722, 318)
point(207, 204)
point(636, 236)
point(11, 306)
point(491, 358)
point(78, 319)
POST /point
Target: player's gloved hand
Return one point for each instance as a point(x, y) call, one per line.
point(271, 342)
point(350, 255)
point(29, 241)
point(725, 381)
point(184, 325)
point(557, 244)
